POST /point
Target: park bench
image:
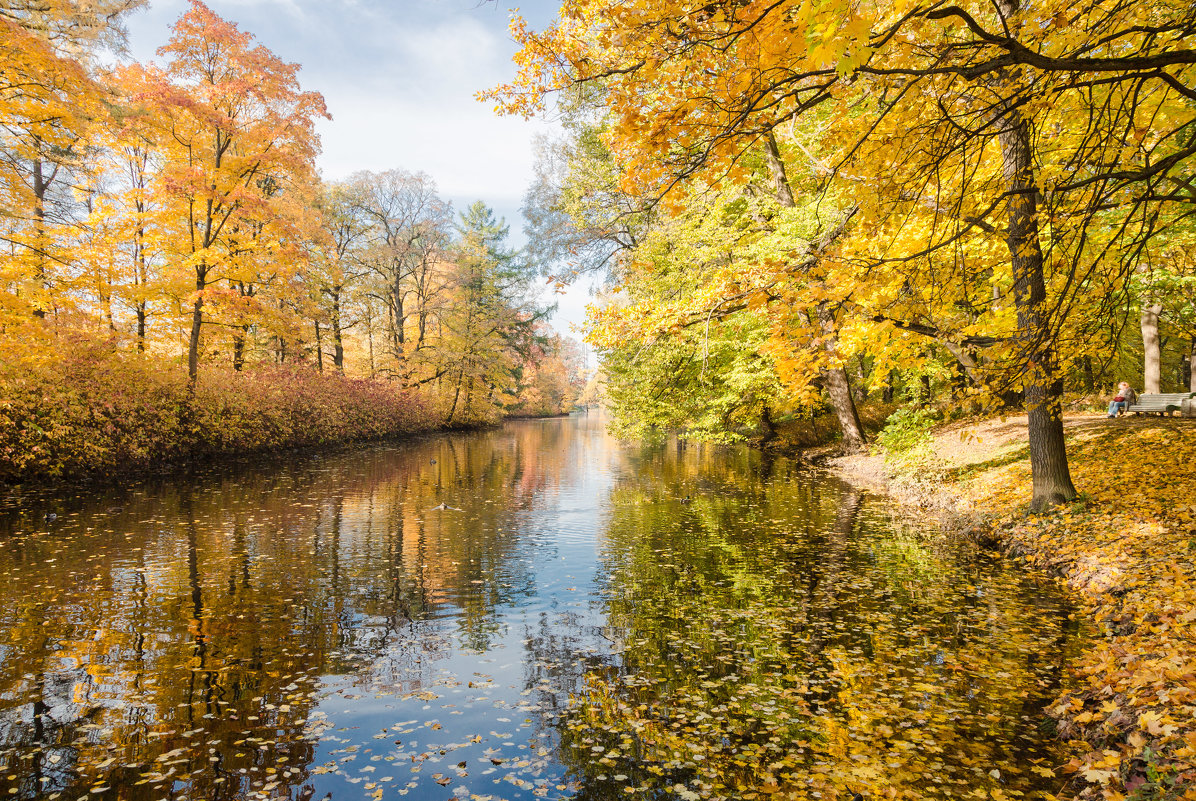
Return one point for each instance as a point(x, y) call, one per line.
point(1162, 403)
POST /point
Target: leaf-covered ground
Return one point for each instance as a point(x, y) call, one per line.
point(1128, 548)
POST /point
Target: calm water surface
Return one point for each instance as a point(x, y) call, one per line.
point(569, 627)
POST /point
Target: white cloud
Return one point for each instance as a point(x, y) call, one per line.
point(458, 143)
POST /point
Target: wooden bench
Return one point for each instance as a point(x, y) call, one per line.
point(1163, 403)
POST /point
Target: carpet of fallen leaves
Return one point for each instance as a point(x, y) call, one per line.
point(1128, 548)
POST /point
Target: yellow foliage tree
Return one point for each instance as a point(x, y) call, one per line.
point(1028, 150)
point(49, 104)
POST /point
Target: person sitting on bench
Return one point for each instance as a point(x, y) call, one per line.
point(1124, 399)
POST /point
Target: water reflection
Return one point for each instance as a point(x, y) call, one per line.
point(414, 620)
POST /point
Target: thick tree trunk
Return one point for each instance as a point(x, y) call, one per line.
point(838, 388)
point(1152, 357)
point(1042, 381)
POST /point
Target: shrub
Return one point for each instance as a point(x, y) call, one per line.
point(906, 429)
point(88, 408)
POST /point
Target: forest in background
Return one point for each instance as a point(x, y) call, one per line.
point(806, 204)
point(177, 280)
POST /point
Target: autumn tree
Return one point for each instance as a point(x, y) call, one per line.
point(126, 226)
point(238, 144)
point(50, 103)
point(409, 229)
point(549, 380)
point(577, 218)
point(489, 326)
point(1059, 132)
point(338, 267)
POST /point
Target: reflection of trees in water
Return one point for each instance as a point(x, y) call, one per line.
point(778, 634)
point(174, 636)
point(559, 656)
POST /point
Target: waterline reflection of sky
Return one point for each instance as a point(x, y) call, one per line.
point(458, 616)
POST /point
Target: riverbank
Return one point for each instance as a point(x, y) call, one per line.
point(1128, 550)
point(98, 413)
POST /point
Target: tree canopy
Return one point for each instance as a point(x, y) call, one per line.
point(978, 178)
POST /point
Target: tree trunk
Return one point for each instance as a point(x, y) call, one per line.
point(860, 388)
point(1192, 366)
point(201, 282)
point(369, 331)
point(400, 322)
point(141, 315)
point(338, 343)
point(776, 166)
point(1041, 379)
point(319, 348)
point(838, 388)
point(1152, 357)
point(140, 276)
point(456, 397)
point(1089, 375)
point(39, 233)
point(469, 395)
point(768, 431)
point(239, 348)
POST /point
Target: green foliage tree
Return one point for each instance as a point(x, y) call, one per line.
point(490, 325)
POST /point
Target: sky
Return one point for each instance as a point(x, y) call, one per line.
point(399, 78)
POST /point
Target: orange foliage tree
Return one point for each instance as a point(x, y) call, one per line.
point(239, 143)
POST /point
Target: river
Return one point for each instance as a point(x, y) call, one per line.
point(536, 611)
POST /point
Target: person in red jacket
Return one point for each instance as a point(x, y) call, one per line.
point(1124, 399)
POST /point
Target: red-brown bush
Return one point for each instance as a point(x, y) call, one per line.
point(88, 408)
